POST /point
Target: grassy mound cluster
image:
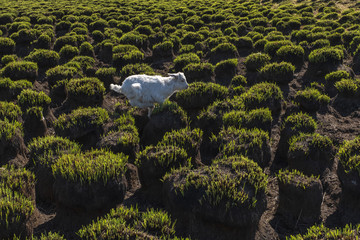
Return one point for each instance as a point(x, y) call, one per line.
point(252, 67)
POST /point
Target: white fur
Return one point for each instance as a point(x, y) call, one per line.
point(144, 90)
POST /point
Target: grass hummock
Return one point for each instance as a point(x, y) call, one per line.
point(223, 182)
point(91, 166)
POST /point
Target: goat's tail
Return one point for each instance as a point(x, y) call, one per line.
point(116, 88)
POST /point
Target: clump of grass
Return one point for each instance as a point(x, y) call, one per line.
point(172, 107)
point(222, 183)
point(127, 134)
point(13, 88)
point(291, 53)
point(311, 99)
point(123, 222)
point(224, 49)
point(199, 72)
point(18, 179)
point(83, 118)
point(281, 73)
point(322, 232)
point(123, 48)
point(186, 138)
point(138, 68)
point(86, 49)
point(6, 18)
point(181, 61)
point(29, 98)
point(15, 210)
point(211, 117)
point(34, 113)
point(163, 49)
point(310, 153)
point(129, 57)
point(336, 76)
point(65, 40)
point(296, 177)
point(9, 129)
point(226, 67)
point(45, 236)
point(68, 52)
point(259, 118)
point(43, 151)
point(238, 81)
point(44, 58)
point(85, 90)
point(256, 61)
point(9, 111)
point(243, 43)
point(43, 41)
point(263, 95)
point(59, 73)
point(20, 70)
point(24, 36)
point(347, 87)
point(317, 142)
point(106, 75)
point(155, 161)
point(326, 55)
point(349, 155)
point(200, 94)
point(300, 122)
point(8, 59)
point(133, 38)
point(272, 47)
point(293, 125)
point(240, 141)
point(89, 167)
point(260, 44)
point(7, 46)
point(320, 43)
point(191, 38)
point(85, 62)
point(99, 24)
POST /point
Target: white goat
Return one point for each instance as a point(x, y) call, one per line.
point(144, 90)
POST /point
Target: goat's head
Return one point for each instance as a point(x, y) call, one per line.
point(179, 80)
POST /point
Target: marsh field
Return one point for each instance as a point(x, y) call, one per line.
point(264, 144)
